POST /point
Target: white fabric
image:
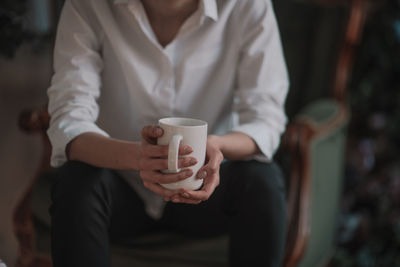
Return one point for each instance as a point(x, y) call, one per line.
point(112, 77)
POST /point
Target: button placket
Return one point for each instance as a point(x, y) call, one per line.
point(170, 83)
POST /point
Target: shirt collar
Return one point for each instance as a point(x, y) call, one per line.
point(208, 7)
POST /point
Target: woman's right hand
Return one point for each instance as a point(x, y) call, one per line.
point(152, 158)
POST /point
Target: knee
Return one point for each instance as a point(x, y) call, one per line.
point(259, 179)
point(266, 176)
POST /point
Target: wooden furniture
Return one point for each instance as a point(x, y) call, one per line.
point(312, 147)
point(315, 175)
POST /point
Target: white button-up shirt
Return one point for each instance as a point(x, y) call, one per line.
point(112, 77)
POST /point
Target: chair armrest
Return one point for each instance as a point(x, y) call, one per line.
point(34, 120)
point(31, 121)
point(319, 120)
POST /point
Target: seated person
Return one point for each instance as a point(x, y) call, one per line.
point(120, 66)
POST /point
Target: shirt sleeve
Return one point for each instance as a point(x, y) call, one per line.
point(262, 80)
point(76, 82)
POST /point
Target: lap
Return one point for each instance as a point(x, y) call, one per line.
point(252, 181)
point(239, 180)
point(249, 204)
point(81, 188)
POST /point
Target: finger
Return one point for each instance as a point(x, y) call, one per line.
point(159, 190)
point(169, 198)
point(179, 199)
point(186, 162)
point(213, 163)
point(151, 132)
point(199, 195)
point(206, 171)
point(185, 150)
point(209, 187)
point(165, 178)
point(162, 164)
point(203, 194)
point(156, 151)
point(211, 168)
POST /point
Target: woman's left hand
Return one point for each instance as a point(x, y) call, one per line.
point(209, 173)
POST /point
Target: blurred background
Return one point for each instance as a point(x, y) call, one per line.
point(369, 228)
point(26, 38)
point(368, 224)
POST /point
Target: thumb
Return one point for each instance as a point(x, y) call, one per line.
point(151, 132)
point(202, 173)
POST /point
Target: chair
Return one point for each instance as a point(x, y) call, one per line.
point(319, 39)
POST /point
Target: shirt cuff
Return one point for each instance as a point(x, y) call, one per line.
point(59, 139)
point(262, 137)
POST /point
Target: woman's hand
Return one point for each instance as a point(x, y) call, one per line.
point(151, 158)
point(209, 173)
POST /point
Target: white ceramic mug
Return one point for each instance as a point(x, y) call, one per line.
point(184, 131)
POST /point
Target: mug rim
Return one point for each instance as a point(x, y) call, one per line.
point(170, 122)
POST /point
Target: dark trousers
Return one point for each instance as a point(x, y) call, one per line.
point(92, 207)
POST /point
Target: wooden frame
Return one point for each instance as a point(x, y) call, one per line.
point(32, 122)
point(301, 132)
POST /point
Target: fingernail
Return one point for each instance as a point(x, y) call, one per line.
point(188, 149)
point(186, 195)
point(157, 131)
point(188, 172)
point(193, 161)
point(202, 175)
point(175, 200)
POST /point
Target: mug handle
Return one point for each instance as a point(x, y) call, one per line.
point(173, 151)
